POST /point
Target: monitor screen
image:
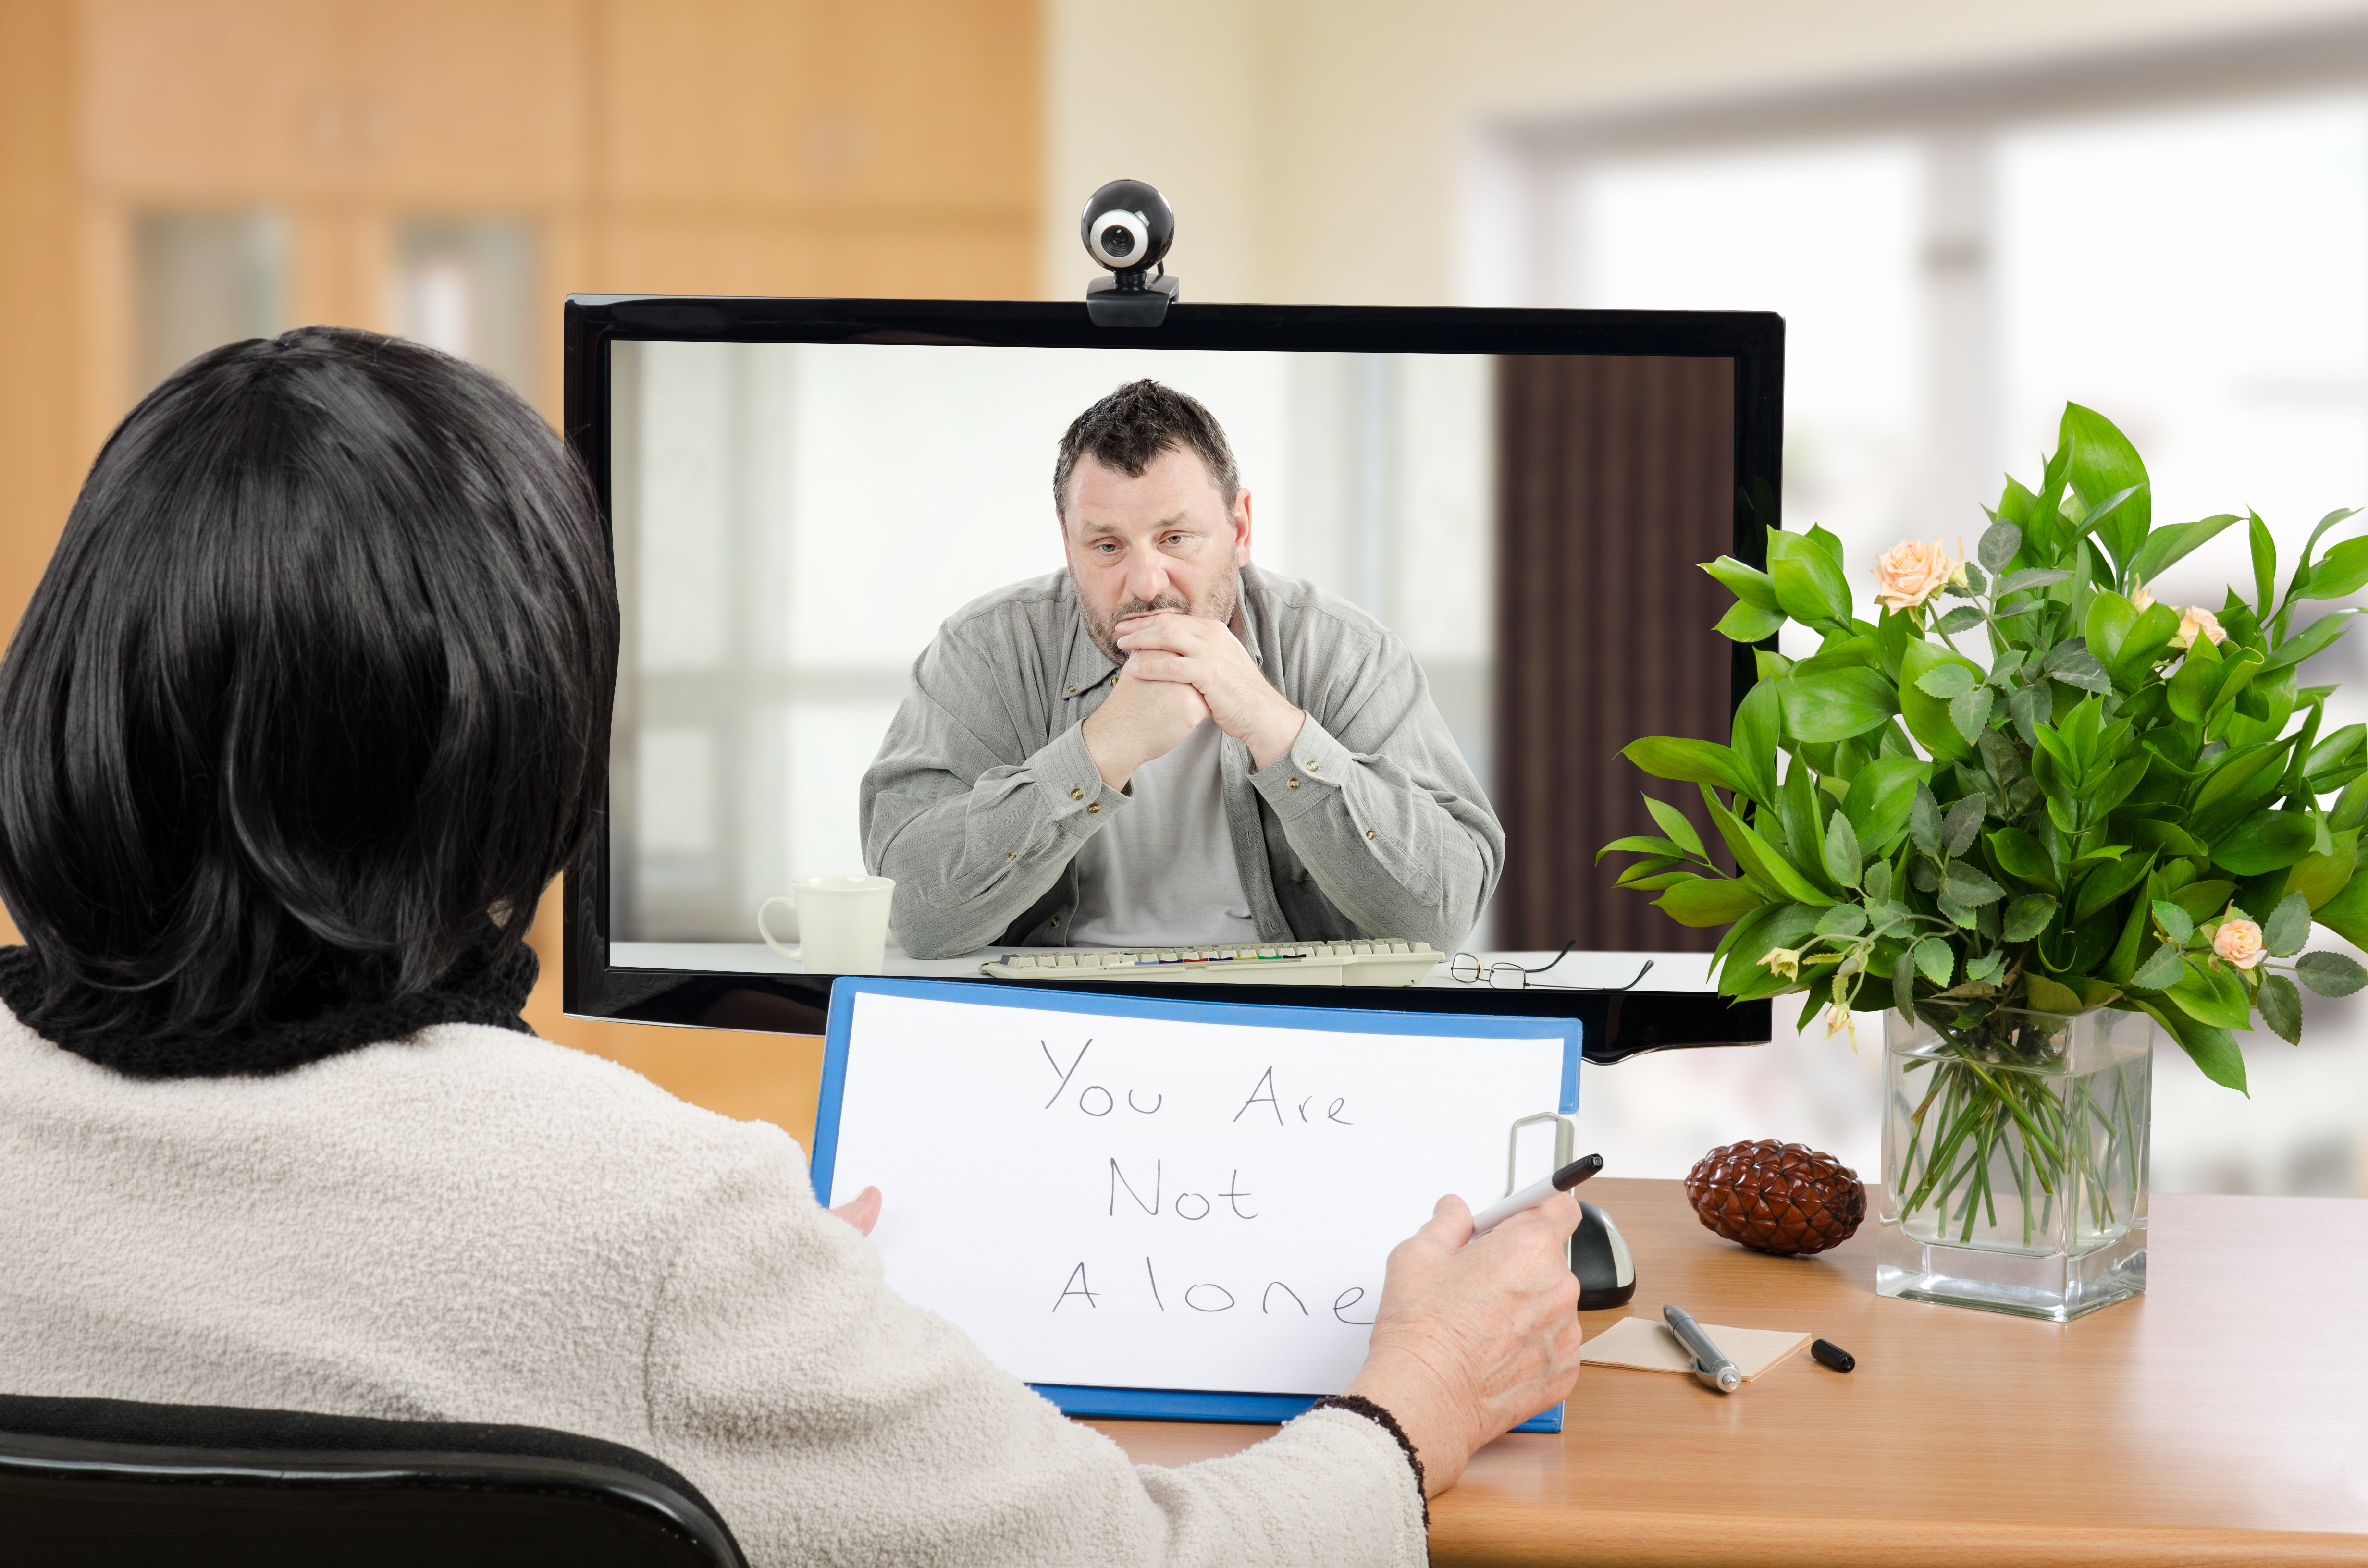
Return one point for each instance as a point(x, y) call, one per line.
point(845, 570)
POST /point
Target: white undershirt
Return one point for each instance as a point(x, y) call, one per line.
point(1163, 873)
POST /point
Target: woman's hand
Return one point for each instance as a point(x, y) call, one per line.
point(1474, 1336)
point(863, 1210)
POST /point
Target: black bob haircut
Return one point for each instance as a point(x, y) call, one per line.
point(1129, 428)
point(313, 700)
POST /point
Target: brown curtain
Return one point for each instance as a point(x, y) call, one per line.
point(1615, 478)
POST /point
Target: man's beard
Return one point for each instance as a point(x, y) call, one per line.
point(1223, 597)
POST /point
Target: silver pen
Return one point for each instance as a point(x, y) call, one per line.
point(1710, 1366)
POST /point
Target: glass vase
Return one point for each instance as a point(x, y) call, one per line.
point(2014, 1158)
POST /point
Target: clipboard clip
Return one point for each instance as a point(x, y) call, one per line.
point(1565, 1145)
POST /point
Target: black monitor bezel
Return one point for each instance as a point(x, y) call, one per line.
point(1618, 1024)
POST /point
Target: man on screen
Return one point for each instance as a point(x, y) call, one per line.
point(1164, 745)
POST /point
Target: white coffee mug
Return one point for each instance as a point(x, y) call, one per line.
point(842, 924)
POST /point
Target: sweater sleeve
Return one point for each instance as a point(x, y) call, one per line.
point(832, 1422)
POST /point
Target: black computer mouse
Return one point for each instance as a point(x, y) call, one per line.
point(1599, 1255)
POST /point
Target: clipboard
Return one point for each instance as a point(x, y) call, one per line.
point(1167, 1403)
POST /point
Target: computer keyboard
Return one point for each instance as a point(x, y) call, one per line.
point(1379, 961)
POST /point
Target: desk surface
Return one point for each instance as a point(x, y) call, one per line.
point(2195, 1424)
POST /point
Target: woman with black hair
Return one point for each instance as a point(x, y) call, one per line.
point(310, 707)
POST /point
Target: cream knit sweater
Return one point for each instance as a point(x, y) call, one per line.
point(478, 1225)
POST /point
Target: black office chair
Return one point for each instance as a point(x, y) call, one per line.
point(96, 1481)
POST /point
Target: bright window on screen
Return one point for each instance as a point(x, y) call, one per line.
point(1826, 236)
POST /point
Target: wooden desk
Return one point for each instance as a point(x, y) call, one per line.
point(2204, 1423)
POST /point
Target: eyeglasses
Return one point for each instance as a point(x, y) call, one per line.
point(1504, 975)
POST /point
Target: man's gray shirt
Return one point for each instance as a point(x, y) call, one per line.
point(984, 791)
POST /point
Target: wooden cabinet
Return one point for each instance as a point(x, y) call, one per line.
point(916, 111)
point(444, 100)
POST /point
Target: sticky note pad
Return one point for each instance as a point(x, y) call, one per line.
point(1647, 1344)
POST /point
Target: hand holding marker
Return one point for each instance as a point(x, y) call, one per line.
point(1529, 1196)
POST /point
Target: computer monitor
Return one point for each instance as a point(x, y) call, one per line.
point(799, 493)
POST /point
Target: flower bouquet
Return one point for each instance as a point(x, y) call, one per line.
point(2029, 808)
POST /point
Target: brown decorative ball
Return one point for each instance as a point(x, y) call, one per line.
point(1779, 1198)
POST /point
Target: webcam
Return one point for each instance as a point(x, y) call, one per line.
point(1127, 227)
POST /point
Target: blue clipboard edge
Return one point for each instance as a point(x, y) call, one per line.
point(838, 1037)
point(1196, 1404)
point(1160, 1405)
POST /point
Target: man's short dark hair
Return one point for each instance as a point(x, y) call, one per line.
point(1129, 429)
point(313, 700)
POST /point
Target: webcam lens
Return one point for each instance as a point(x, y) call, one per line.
point(1117, 240)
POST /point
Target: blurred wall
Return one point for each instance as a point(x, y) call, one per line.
point(1319, 149)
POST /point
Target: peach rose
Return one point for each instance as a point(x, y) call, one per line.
point(1912, 572)
point(2193, 619)
point(2141, 600)
point(2238, 941)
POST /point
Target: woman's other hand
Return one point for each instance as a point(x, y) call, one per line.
point(862, 1211)
point(1474, 1336)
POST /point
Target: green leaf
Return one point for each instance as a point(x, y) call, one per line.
point(1902, 982)
point(1968, 886)
point(2116, 786)
point(2267, 841)
point(2213, 1051)
point(2147, 641)
point(1638, 843)
point(1841, 920)
point(1804, 832)
point(1653, 882)
point(2177, 923)
point(2027, 916)
point(2265, 564)
point(1928, 715)
point(2163, 835)
point(1937, 960)
point(2108, 624)
point(2280, 1007)
point(2335, 760)
point(1837, 704)
point(1880, 798)
point(1999, 544)
point(1748, 622)
point(1945, 681)
point(2162, 969)
point(2175, 541)
point(2205, 900)
point(2319, 878)
point(2103, 466)
point(1962, 824)
point(2212, 995)
point(1677, 825)
point(2079, 667)
point(1709, 900)
point(1758, 856)
point(1747, 584)
point(2330, 975)
point(2108, 882)
point(2030, 577)
point(2287, 929)
point(1843, 860)
point(1695, 762)
point(1965, 618)
point(2311, 638)
point(2339, 573)
point(2019, 855)
point(1924, 823)
point(2048, 997)
point(1809, 582)
point(1970, 712)
point(2346, 914)
point(1759, 726)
